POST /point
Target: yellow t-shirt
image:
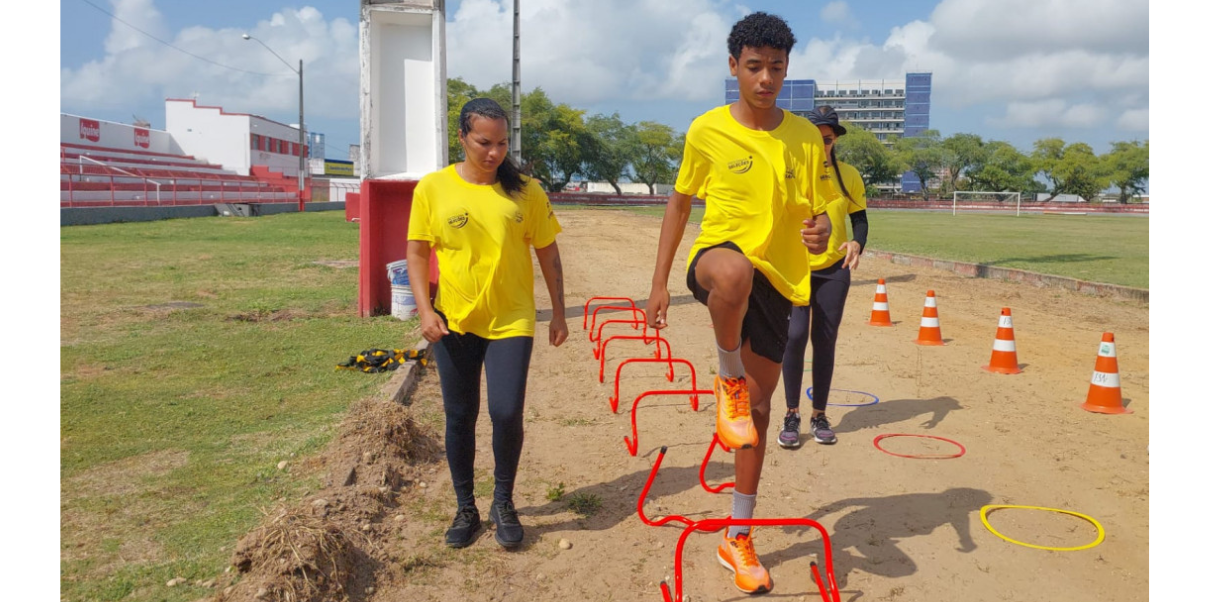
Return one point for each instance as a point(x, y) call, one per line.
point(758, 186)
point(482, 238)
point(839, 210)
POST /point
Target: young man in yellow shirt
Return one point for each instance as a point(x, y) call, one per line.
point(759, 170)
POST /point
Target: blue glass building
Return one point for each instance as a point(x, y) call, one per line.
point(887, 108)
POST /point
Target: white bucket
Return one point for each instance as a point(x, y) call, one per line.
point(396, 271)
point(402, 302)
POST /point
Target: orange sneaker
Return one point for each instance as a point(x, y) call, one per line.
point(738, 555)
point(735, 426)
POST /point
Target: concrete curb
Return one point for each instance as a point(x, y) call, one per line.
point(977, 270)
point(403, 383)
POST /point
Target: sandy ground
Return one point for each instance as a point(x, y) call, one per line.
point(902, 529)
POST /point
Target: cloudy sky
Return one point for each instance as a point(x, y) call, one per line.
point(1004, 70)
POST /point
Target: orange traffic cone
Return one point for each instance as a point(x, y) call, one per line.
point(929, 324)
point(1104, 396)
point(881, 306)
point(1003, 354)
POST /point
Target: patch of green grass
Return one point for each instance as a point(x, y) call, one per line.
point(229, 388)
point(1099, 248)
point(485, 488)
point(584, 504)
point(555, 493)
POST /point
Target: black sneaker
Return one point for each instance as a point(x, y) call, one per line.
point(508, 530)
point(789, 433)
point(820, 427)
point(465, 525)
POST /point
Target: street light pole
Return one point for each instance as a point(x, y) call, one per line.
point(301, 145)
point(301, 131)
point(516, 81)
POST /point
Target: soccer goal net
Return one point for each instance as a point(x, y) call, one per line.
point(971, 200)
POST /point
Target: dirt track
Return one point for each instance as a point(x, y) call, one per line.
point(902, 529)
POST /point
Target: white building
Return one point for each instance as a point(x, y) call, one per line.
point(237, 141)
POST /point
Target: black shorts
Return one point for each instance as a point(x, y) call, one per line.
point(766, 323)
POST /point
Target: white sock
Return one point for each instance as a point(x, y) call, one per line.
point(730, 363)
point(742, 506)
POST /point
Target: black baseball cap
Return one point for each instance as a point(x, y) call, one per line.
point(825, 115)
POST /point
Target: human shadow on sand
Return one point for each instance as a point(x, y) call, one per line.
point(867, 537)
point(898, 410)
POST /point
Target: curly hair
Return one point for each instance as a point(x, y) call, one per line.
point(759, 30)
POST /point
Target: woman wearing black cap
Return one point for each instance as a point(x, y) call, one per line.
point(481, 216)
point(830, 276)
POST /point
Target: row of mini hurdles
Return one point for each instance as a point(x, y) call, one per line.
point(828, 587)
point(1104, 396)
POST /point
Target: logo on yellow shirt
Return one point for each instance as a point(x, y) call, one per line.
point(740, 166)
point(789, 173)
point(458, 220)
point(518, 217)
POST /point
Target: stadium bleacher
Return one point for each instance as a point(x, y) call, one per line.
point(92, 176)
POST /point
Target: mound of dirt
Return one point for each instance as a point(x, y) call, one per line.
point(323, 547)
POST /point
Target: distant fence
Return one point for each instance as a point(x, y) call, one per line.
point(646, 200)
point(1052, 207)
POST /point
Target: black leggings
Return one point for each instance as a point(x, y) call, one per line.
point(460, 359)
point(828, 291)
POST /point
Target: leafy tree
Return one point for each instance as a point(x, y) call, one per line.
point(1080, 172)
point(861, 149)
point(1002, 168)
point(1128, 164)
point(656, 148)
point(552, 139)
point(608, 149)
point(1047, 152)
point(459, 93)
point(921, 154)
point(960, 152)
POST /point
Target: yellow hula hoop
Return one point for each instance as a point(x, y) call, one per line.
point(990, 508)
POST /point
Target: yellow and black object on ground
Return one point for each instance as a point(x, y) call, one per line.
point(382, 360)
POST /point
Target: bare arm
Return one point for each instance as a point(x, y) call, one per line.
point(552, 270)
point(679, 205)
point(816, 233)
point(432, 327)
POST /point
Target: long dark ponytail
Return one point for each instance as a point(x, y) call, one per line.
point(835, 166)
point(508, 172)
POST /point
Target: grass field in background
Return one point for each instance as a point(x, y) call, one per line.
point(173, 418)
point(1099, 248)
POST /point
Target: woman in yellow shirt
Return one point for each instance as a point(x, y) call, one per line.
point(481, 216)
point(830, 277)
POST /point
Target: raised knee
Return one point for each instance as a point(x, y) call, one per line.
point(733, 278)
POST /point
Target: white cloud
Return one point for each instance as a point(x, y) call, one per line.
point(988, 52)
point(1053, 113)
point(586, 51)
point(984, 53)
point(998, 30)
point(838, 13)
point(136, 67)
point(1135, 120)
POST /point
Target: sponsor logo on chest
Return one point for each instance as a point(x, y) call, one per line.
point(740, 166)
point(458, 220)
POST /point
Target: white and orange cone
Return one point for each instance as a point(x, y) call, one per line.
point(881, 306)
point(1003, 354)
point(929, 324)
point(1104, 396)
